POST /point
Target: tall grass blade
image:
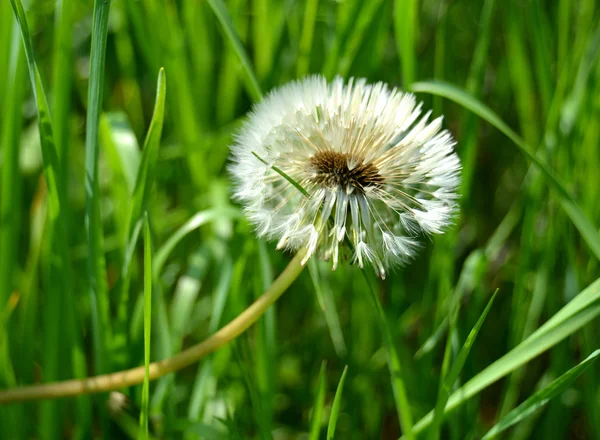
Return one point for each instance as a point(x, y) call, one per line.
point(141, 190)
point(541, 397)
point(61, 288)
point(446, 383)
point(367, 15)
point(318, 404)
point(62, 77)
point(201, 218)
point(306, 38)
point(577, 313)
point(147, 327)
point(337, 406)
point(205, 372)
point(401, 400)
point(405, 32)
point(101, 334)
point(325, 298)
point(224, 18)
point(10, 212)
point(586, 228)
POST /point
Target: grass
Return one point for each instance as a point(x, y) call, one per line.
point(82, 294)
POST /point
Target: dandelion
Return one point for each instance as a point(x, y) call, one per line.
point(375, 173)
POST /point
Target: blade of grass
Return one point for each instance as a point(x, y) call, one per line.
point(198, 396)
point(540, 34)
point(393, 361)
point(10, 198)
point(122, 154)
point(578, 312)
point(198, 28)
point(201, 218)
point(405, 32)
point(61, 111)
point(347, 14)
point(520, 73)
point(7, 24)
point(121, 148)
point(319, 403)
point(224, 18)
point(447, 382)
point(336, 407)
point(284, 175)
point(49, 152)
point(62, 76)
point(262, 38)
point(325, 297)
point(147, 327)
point(265, 346)
point(586, 228)
point(60, 289)
point(306, 39)
point(230, 77)
point(541, 397)
point(440, 54)
point(143, 184)
point(367, 15)
point(98, 290)
point(473, 86)
point(127, 61)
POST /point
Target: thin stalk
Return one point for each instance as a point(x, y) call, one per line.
point(398, 387)
point(134, 376)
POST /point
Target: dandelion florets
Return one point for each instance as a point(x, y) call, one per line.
point(376, 173)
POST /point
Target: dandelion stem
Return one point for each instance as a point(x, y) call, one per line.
point(134, 376)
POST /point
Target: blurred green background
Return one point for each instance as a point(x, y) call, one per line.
point(71, 297)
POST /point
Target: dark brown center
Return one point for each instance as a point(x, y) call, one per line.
point(331, 169)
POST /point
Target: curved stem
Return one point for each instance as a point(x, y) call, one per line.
point(125, 378)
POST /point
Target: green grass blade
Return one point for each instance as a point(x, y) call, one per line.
point(394, 366)
point(577, 313)
point(263, 36)
point(224, 18)
point(60, 289)
point(466, 349)
point(201, 218)
point(96, 264)
point(474, 84)
point(581, 222)
point(318, 404)
point(10, 212)
point(284, 175)
point(336, 407)
point(146, 171)
point(521, 74)
point(49, 152)
point(367, 15)
point(147, 328)
point(541, 397)
point(447, 382)
point(205, 372)
point(265, 346)
point(306, 39)
point(10, 197)
point(143, 184)
point(405, 32)
point(326, 301)
point(121, 149)
point(231, 79)
point(63, 77)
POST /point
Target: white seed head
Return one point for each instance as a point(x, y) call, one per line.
point(377, 173)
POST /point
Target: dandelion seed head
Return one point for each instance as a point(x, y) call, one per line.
point(378, 173)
